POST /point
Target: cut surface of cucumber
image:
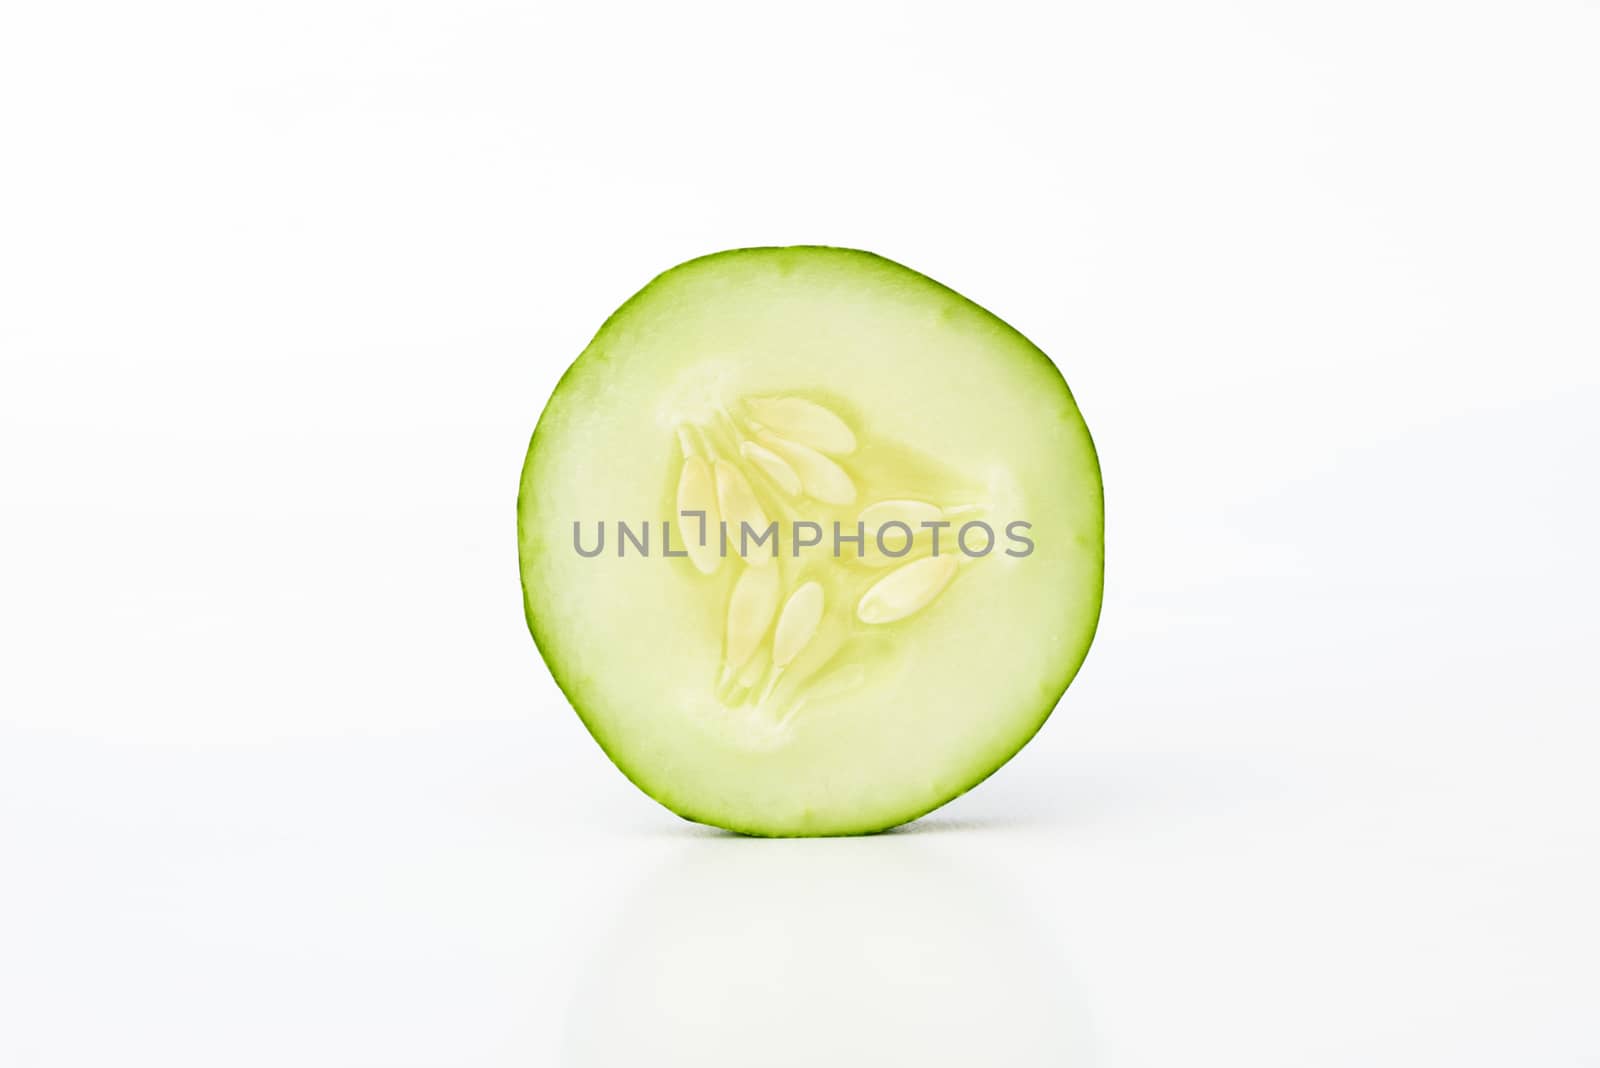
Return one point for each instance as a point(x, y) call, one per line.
point(812, 543)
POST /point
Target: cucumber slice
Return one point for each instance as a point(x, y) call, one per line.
point(811, 543)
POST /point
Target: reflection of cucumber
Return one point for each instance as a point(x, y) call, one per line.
point(890, 567)
point(823, 955)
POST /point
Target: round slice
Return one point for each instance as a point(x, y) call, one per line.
point(812, 543)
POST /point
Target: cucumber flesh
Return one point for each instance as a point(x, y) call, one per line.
point(812, 543)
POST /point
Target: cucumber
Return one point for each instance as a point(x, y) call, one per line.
point(811, 543)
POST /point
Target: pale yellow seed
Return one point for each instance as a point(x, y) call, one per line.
point(739, 505)
point(912, 513)
point(871, 557)
point(800, 420)
point(697, 493)
point(775, 466)
point(797, 624)
point(750, 610)
point(821, 478)
point(835, 683)
point(755, 670)
point(906, 590)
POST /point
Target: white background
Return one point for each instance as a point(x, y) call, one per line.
point(283, 287)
